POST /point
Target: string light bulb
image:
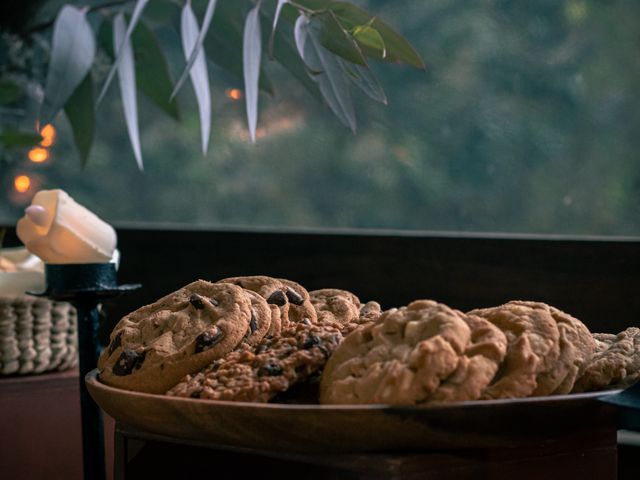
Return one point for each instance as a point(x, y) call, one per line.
point(22, 183)
point(48, 135)
point(38, 155)
point(233, 93)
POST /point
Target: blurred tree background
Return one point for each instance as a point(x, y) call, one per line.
point(527, 120)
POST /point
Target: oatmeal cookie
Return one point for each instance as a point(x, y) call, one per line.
point(259, 373)
point(533, 364)
point(400, 359)
point(615, 363)
point(290, 298)
point(153, 347)
point(477, 366)
point(335, 305)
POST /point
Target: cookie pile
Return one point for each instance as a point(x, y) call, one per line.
point(241, 338)
point(261, 339)
point(36, 335)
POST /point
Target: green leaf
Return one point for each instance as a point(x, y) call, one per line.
point(199, 76)
point(152, 70)
point(397, 49)
point(72, 52)
point(368, 36)
point(9, 91)
point(224, 43)
point(127, 81)
point(19, 138)
point(333, 82)
point(120, 47)
point(337, 40)
point(80, 111)
point(251, 58)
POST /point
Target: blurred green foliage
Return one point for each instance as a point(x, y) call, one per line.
point(527, 120)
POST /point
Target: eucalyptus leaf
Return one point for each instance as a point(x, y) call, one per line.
point(127, 81)
point(396, 48)
point(276, 17)
point(19, 138)
point(331, 78)
point(285, 52)
point(363, 78)
point(152, 71)
point(251, 56)
point(80, 111)
point(206, 22)
point(337, 40)
point(224, 43)
point(72, 52)
point(369, 37)
point(199, 75)
point(119, 47)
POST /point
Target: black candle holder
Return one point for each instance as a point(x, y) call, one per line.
point(85, 286)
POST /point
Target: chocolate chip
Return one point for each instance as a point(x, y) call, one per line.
point(277, 298)
point(195, 394)
point(214, 302)
point(128, 361)
point(311, 341)
point(305, 321)
point(270, 370)
point(196, 301)
point(261, 348)
point(325, 351)
point(253, 325)
point(116, 343)
point(294, 297)
point(206, 340)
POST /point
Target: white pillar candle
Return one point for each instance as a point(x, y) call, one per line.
point(59, 230)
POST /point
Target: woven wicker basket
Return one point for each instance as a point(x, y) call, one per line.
point(36, 335)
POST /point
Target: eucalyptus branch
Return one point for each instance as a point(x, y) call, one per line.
point(304, 9)
point(49, 23)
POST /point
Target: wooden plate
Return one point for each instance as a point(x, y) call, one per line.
point(347, 429)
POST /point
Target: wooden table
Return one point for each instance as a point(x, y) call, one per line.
point(140, 454)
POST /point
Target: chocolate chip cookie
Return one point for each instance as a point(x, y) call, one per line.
point(259, 373)
point(290, 298)
point(615, 363)
point(402, 358)
point(153, 347)
point(260, 321)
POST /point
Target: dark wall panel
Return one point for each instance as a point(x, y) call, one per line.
point(597, 280)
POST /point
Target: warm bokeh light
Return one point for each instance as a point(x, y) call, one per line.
point(22, 183)
point(38, 155)
point(48, 135)
point(233, 93)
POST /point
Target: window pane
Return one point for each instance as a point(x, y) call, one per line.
point(527, 120)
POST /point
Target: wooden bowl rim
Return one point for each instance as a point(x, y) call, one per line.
point(92, 379)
